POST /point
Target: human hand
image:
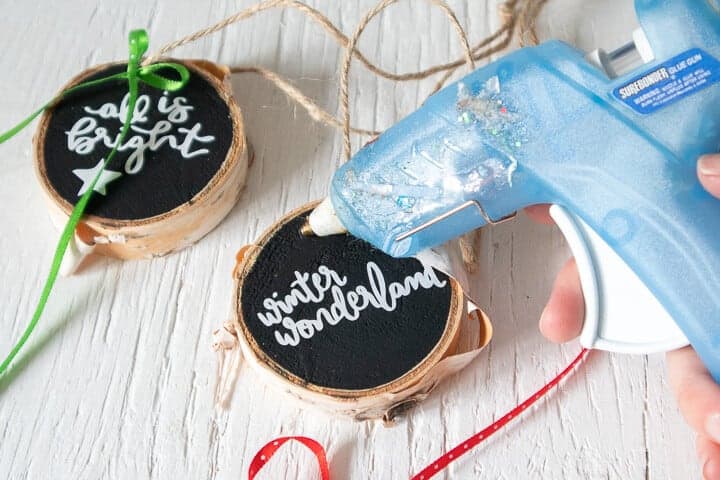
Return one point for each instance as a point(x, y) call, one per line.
point(698, 395)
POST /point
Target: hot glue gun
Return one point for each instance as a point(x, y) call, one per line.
point(609, 139)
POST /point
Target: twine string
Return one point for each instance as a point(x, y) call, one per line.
point(342, 39)
point(510, 15)
point(344, 78)
point(527, 19)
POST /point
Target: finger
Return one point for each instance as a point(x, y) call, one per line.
point(539, 214)
point(709, 173)
point(563, 316)
point(711, 471)
point(697, 393)
point(709, 455)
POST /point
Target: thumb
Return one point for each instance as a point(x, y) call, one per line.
point(709, 173)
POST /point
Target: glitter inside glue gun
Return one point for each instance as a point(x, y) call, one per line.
point(611, 140)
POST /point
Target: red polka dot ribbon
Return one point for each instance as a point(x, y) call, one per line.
point(442, 462)
point(266, 452)
point(264, 455)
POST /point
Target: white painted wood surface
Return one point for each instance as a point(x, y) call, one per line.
point(117, 381)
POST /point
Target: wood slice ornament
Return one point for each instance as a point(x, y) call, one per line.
point(177, 174)
point(339, 324)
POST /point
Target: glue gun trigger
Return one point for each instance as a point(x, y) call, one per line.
point(621, 314)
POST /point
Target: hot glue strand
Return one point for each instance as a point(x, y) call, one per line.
point(138, 43)
point(263, 456)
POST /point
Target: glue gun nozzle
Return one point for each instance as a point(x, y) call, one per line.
point(322, 221)
point(306, 230)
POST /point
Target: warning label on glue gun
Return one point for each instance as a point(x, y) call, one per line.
point(682, 76)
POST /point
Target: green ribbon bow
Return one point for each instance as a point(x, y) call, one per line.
point(135, 74)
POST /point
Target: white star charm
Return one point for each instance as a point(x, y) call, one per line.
point(87, 175)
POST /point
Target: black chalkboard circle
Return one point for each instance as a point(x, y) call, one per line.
point(337, 317)
point(178, 173)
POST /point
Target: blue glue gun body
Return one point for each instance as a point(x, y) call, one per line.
point(544, 125)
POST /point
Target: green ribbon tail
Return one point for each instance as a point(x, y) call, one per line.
point(65, 238)
point(138, 43)
point(14, 131)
